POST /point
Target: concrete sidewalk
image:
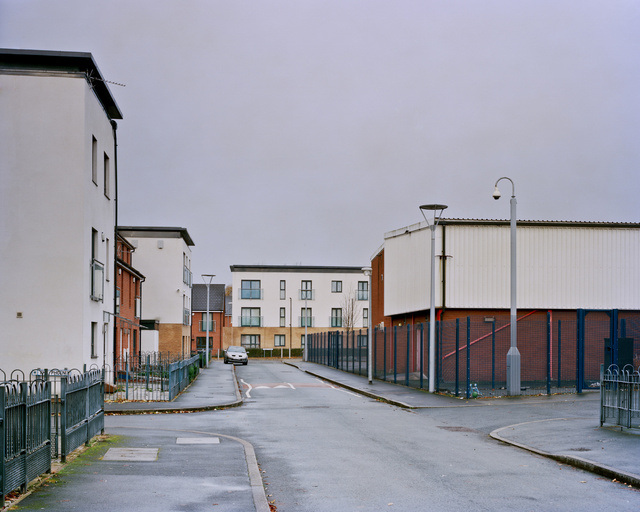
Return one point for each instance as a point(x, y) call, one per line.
point(579, 442)
point(149, 465)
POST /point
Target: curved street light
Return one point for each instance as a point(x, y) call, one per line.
point(513, 356)
point(437, 210)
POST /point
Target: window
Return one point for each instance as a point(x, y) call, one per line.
point(363, 290)
point(250, 340)
point(306, 293)
point(283, 290)
point(306, 319)
point(209, 325)
point(336, 286)
point(138, 304)
point(279, 340)
point(117, 301)
point(283, 317)
point(250, 290)
point(94, 339)
point(94, 160)
point(107, 262)
point(97, 270)
point(336, 317)
point(302, 340)
point(250, 317)
point(106, 175)
point(365, 317)
point(362, 340)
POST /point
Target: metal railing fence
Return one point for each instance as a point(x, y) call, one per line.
point(25, 433)
point(154, 376)
point(557, 355)
point(620, 396)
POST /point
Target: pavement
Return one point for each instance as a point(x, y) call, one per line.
point(607, 451)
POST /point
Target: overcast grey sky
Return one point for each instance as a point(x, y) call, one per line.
point(300, 131)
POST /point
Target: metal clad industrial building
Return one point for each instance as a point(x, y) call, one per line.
point(560, 265)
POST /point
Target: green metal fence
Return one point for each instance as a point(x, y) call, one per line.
point(49, 415)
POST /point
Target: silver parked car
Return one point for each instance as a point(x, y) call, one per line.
point(236, 355)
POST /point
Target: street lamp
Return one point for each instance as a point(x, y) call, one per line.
point(437, 210)
point(367, 272)
point(208, 283)
point(513, 356)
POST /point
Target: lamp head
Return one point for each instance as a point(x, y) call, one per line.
point(496, 193)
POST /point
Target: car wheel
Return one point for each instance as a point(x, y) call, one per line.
point(226, 362)
point(245, 363)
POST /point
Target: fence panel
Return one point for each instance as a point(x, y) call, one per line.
point(25, 433)
point(620, 396)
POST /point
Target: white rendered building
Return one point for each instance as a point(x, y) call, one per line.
point(57, 211)
point(272, 304)
point(163, 256)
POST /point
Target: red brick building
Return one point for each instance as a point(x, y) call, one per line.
point(128, 302)
point(216, 318)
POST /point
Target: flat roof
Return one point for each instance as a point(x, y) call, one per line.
point(521, 223)
point(155, 232)
point(298, 268)
point(45, 60)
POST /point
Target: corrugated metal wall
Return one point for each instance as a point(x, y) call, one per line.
point(562, 267)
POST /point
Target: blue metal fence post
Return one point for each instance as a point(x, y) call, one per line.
point(559, 363)
point(395, 354)
point(468, 357)
point(457, 357)
point(421, 355)
point(384, 356)
point(408, 362)
point(580, 351)
point(548, 353)
point(493, 354)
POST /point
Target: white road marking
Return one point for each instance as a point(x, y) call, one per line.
point(248, 392)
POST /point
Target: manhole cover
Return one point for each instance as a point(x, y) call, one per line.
point(132, 454)
point(198, 440)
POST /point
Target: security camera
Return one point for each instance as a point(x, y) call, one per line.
point(496, 194)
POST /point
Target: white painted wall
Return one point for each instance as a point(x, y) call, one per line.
point(48, 205)
point(270, 304)
point(558, 267)
point(164, 288)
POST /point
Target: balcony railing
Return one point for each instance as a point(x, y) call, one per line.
point(309, 320)
point(363, 294)
point(186, 317)
point(335, 321)
point(97, 280)
point(251, 293)
point(187, 277)
point(250, 321)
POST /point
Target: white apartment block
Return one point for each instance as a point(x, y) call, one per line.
point(57, 211)
point(273, 305)
point(163, 256)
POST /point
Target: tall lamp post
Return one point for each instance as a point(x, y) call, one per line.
point(437, 210)
point(208, 283)
point(513, 356)
point(367, 272)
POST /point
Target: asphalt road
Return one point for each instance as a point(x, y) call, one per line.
point(323, 448)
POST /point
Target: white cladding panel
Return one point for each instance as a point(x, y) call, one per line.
point(558, 267)
point(407, 272)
